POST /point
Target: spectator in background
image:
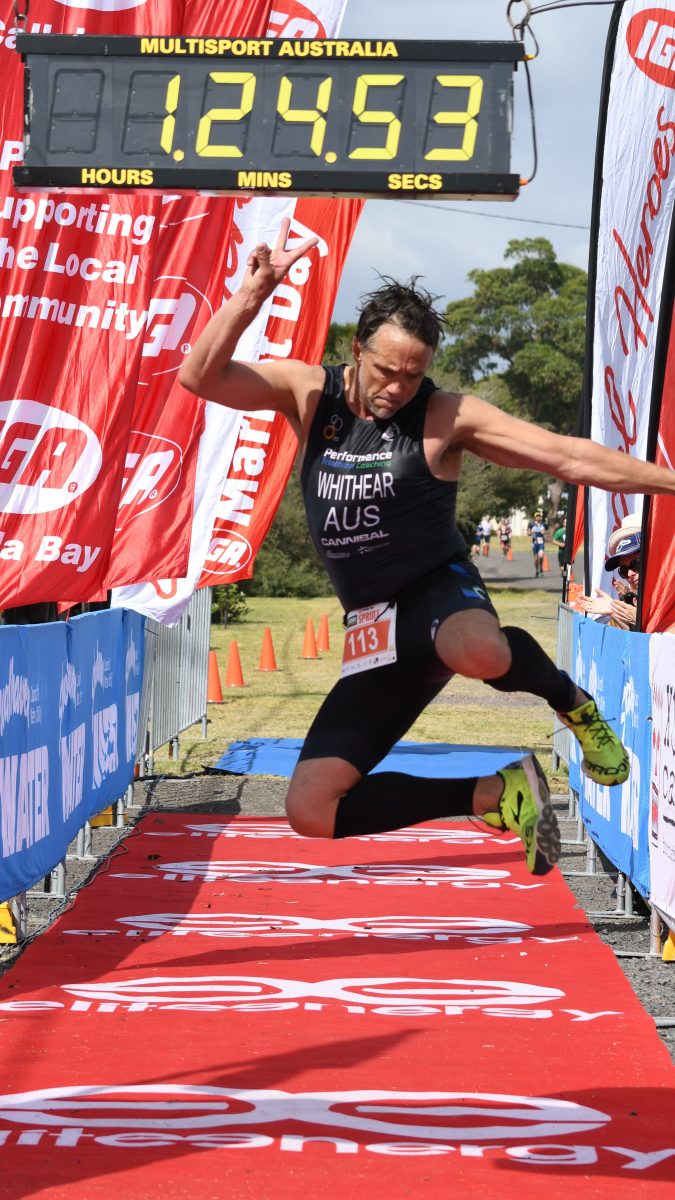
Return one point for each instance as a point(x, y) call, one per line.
point(623, 549)
point(558, 539)
point(537, 530)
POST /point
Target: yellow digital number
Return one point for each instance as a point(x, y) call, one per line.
point(247, 82)
point(371, 117)
point(467, 118)
point(169, 122)
point(310, 116)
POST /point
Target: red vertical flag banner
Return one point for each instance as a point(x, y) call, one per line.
point(631, 285)
point(244, 462)
point(152, 538)
point(297, 327)
point(73, 290)
point(95, 311)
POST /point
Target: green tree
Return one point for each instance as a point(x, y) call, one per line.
point(339, 343)
point(519, 339)
point(228, 603)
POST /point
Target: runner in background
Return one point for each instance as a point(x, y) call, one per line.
point(380, 454)
point(505, 532)
point(537, 530)
point(486, 533)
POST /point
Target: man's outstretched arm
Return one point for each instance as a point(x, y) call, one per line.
point(508, 441)
point(209, 369)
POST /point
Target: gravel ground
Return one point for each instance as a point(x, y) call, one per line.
point(215, 792)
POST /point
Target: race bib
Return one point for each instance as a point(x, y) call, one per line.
point(370, 638)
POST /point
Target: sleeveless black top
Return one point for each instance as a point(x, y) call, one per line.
point(377, 516)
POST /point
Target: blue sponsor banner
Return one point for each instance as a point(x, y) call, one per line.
point(69, 708)
point(613, 665)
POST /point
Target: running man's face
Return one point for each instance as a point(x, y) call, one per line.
point(389, 370)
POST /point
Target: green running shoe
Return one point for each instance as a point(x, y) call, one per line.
point(525, 808)
point(605, 759)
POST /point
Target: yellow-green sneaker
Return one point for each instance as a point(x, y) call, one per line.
point(605, 759)
point(525, 808)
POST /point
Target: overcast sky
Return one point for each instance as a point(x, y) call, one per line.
point(444, 240)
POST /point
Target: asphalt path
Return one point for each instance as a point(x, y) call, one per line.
point(519, 573)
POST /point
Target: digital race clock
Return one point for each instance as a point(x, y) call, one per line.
point(342, 118)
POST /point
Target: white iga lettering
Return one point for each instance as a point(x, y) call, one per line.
point(48, 458)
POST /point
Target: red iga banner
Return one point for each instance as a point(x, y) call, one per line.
point(95, 311)
point(154, 521)
point(296, 328)
point(73, 295)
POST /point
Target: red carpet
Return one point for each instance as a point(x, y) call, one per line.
point(232, 1011)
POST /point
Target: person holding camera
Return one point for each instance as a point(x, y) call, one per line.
point(623, 549)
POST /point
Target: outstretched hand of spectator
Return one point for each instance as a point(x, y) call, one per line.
point(600, 604)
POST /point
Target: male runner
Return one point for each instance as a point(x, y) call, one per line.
point(380, 451)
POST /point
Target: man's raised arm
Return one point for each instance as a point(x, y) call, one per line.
point(209, 369)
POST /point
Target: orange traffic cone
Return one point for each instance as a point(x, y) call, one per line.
point(233, 675)
point(309, 643)
point(509, 556)
point(214, 693)
point(267, 660)
point(323, 638)
point(544, 563)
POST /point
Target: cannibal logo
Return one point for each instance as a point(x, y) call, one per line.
point(48, 457)
point(153, 471)
point(290, 872)
point(390, 994)
point(165, 1109)
point(651, 44)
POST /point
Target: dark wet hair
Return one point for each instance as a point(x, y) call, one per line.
point(402, 304)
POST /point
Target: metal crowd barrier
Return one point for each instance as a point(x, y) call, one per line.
point(561, 734)
point(177, 663)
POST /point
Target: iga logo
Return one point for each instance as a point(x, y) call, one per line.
point(48, 458)
point(651, 44)
point(290, 19)
point(228, 553)
point(74, 1112)
point(173, 321)
point(153, 471)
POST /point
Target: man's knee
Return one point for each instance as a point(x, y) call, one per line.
point(311, 819)
point(485, 657)
point(314, 794)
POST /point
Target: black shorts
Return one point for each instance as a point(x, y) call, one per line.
point(365, 714)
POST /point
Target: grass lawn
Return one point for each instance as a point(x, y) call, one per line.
point(282, 703)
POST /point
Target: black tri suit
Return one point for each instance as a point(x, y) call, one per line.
point(385, 530)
